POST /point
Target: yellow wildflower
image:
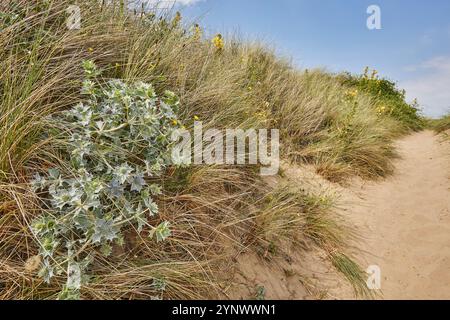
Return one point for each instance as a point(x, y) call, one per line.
point(218, 42)
point(261, 115)
point(90, 50)
point(381, 110)
point(174, 122)
point(197, 32)
point(176, 20)
point(196, 118)
point(352, 93)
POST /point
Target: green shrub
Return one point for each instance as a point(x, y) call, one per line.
point(389, 99)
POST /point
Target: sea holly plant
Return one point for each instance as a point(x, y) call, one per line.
point(115, 142)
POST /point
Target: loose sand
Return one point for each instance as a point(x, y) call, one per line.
point(404, 227)
point(405, 220)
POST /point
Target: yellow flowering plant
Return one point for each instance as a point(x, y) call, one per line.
point(391, 100)
point(218, 42)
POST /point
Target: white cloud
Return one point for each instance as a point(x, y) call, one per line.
point(430, 84)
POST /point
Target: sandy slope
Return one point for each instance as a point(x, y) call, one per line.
point(405, 221)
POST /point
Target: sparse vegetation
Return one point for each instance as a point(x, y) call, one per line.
point(353, 272)
point(335, 122)
point(441, 125)
point(389, 100)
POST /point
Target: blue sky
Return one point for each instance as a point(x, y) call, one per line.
point(412, 48)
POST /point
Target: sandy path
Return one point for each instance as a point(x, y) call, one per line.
point(404, 224)
point(405, 221)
